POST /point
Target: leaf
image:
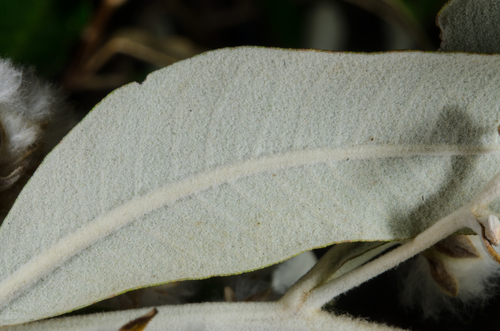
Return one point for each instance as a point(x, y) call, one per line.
point(235, 316)
point(277, 315)
point(444, 279)
point(470, 26)
point(240, 158)
point(458, 247)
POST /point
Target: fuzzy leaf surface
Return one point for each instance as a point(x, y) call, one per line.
point(240, 158)
point(210, 317)
point(470, 26)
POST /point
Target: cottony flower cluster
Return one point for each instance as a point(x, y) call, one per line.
point(33, 119)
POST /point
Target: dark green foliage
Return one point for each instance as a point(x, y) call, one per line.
point(41, 32)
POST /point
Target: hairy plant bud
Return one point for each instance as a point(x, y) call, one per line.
point(452, 275)
point(33, 119)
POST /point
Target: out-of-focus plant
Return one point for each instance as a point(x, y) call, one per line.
point(42, 33)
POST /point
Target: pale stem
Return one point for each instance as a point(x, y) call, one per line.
point(334, 259)
point(488, 194)
point(442, 229)
point(461, 218)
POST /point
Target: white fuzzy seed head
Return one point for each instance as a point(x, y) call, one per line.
point(32, 114)
point(475, 278)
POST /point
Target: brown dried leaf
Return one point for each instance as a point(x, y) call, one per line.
point(493, 253)
point(446, 281)
point(139, 323)
point(458, 247)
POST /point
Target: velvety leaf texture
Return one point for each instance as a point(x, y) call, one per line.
point(241, 316)
point(240, 158)
point(470, 26)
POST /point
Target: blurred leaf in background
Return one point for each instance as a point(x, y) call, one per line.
point(424, 10)
point(42, 33)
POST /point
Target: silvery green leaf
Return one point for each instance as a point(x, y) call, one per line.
point(210, 317)
point(470, 26)
point(240, 158)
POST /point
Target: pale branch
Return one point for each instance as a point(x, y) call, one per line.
point(465, 217)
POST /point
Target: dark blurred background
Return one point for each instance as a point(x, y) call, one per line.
point(91, 47)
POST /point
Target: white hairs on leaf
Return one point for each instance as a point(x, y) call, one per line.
point(475, 279)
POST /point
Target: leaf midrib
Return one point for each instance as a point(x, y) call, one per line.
point(124, 214)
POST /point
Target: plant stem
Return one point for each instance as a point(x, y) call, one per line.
point(333, 260)
point(465, 217)
point(442, 229)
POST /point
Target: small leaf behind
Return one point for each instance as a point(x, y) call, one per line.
point(470, 26)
